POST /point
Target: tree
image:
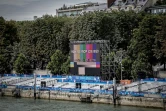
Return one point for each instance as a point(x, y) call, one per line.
point(124, 24)
point(39, 38)
point(141, 64)
point(140, 34)
point(22, 65)
point(3, 64)
point(62, 39)
point(66, 66)
point(2, 26)
point(127, 64)
point(141, 48)
point(8, 36)
point(56, 62)
point(115, 26)
point(10, 33)
point(161, 2)
point(159, 48)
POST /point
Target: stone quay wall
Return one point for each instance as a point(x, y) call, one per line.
point(106, 99)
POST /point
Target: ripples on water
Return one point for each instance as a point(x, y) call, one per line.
point(27, 104)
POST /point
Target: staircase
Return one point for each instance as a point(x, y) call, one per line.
point(18, 80)
point(50, 83)
point(162, 87)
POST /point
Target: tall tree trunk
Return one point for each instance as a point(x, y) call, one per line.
point(42, 67)
point(34, 64)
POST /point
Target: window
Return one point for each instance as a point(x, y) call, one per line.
point(157, 10)
point(164, 10)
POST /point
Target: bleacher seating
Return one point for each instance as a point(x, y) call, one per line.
point(89, 84)
point(69, 85)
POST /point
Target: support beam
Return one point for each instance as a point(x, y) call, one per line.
point(35, 86)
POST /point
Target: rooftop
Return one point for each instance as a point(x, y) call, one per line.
point(81, 5)
point(158, 7)
point(102, 6)
point(129, 2)
point(86, 3)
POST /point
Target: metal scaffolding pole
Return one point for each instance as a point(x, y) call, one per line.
point(104, 56)
point(114, 91)
point(34, 85)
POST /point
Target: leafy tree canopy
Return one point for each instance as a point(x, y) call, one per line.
point(22, 65)
point(56, 62)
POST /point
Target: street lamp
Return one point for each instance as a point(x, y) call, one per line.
point(121, 56)
point(157, 71)
point(121, 70)
point(34, 85)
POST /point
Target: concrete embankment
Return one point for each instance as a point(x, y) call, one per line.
point(107, 99)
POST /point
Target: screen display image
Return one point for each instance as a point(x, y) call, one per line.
point(85, 59)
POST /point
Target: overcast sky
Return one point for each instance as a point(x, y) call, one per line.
point(26, 9)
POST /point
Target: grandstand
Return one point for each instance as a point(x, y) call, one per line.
point(84, 84)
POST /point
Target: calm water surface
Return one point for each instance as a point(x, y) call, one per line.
point(27, 104)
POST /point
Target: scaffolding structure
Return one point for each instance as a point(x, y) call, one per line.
point(105, 61)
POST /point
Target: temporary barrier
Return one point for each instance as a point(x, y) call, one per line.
point(125, 82)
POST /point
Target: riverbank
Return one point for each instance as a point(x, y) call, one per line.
point(29, 104)
point(94, 98)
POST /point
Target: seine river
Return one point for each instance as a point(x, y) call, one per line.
point(13, 104)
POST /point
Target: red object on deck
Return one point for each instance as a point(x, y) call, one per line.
point(125, 82)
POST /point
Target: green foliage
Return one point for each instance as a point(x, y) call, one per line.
point(3, 64)
point(62, 38)
point(37, 40)
point(125, 22)
point(94, 26)
point(22, 65)
point(116, 27)
point(66, 66)
point(8, 37)
point(141, 35)
point(41, 38)
point(141, 47)
point(2, 26)
point(140, 65)
point(160, 41)
point(159, 46)
point(10, 33)
point(161, 2)
point(127, 67)
point(56, 62)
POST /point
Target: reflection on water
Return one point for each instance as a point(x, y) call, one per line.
point(27, 104)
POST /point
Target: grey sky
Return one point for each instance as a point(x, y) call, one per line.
point(26, 9)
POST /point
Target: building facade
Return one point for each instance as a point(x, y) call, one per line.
point(74, 10)
point(136, 5)
point(126, 5)
point(82, 8)
point(98, 7)
point(157, 9)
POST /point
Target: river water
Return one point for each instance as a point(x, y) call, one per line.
point(28, 104)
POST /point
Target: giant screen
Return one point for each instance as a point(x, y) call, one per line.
point(85, 59)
